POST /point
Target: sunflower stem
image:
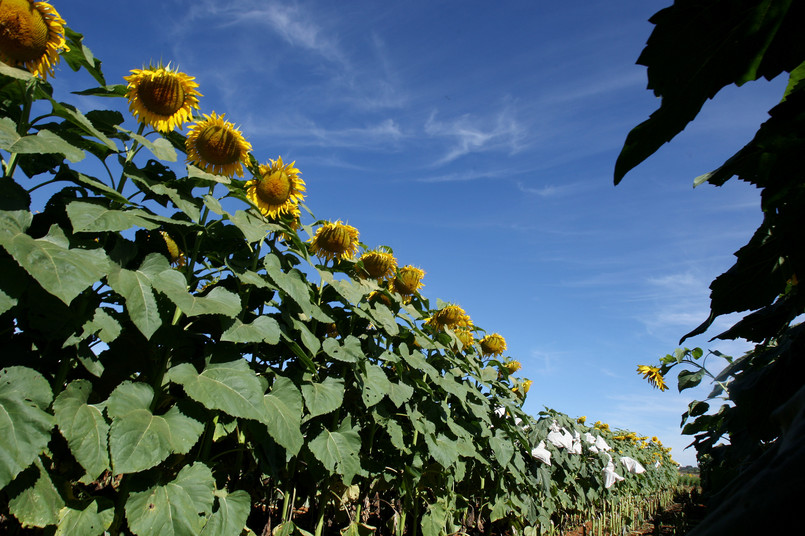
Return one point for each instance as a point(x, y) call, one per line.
point(130, 154)
point(22, 127)
point(191, 263)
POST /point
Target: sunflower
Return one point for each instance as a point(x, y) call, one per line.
point(493, 344)
point(512, 366)
point(335, 241)
point(31, 36)
point(465, 336)
point(408, 280)
point(277, 190)
point(652, 374)
point(451, 316)
point(177, 256)
point(526, 386)
point(216, 146)
point(582, 419)
point(161, 97)
point(377, 264)
point(377, 296)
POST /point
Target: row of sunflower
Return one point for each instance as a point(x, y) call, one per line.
point(172, 366)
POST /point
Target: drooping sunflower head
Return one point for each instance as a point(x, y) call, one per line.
point(216, 146)
point(31, 36)
point(408, 280)
point(161, 97)
point(653, 375)
point(512, 366)
point(377, 264)
point(525, 385)
point(377, 296)
point(450, 316)
point(335, 240)
point(493, 344)
point(278, 189)
point(466, 337)
point(582, 419)
point(177, 256)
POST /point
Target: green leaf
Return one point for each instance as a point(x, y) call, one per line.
point(84, 428)
point(135, 287)
point(400, 393)
point(13, 72)
point(262, 329)
point(384, 318)
point(324, 397)
point(62, 271)
point(283, 414)
point(93, 520)
point(349, 352)
point(442, 449)
point(24, 424)
point(231, 387)
point(219, 301)
point(310, 340)
point(102, 324)
point(293, 283)
point(138, 439)
point(339, 450)
point(178, 508)
point(44, 142)
point(38, 503)
point(195, 173)
point(434, 520)
point(77, 118)
point(253, 227)
point(688, 379)
point(229, 519)
point(161, 148)
point(6, 302)
point(97, 186)
point(98, 218)
point(374, 385)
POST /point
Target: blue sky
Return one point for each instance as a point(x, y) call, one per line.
point(478, 139)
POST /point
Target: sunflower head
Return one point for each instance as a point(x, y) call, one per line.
point(465, 336)
point(451, 316)
point(216, 146)
point(493, 344)
point(653, 375)
point(161, 97)
point(408, 280)
point(512, 366)
point(526, 385)
point(177, 256)
point(377, 264)
point(31, 36)
point(335, 241)
point(377, 296)
point(581, 420)
point(277, 190)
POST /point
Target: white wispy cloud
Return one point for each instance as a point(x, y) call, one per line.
point(470, 134)
point(305, 132)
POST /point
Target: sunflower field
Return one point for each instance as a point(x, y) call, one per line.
point(186, 350)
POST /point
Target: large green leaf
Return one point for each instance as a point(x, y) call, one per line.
point(102, 324)
point(178, 508)
point(135, 287)
point(138, 439)
point(161, 147)
point(261, 329)
point(697, 48)
point(400, 393)
point(43, 142)
point(84, 428)
point(291, 282)
point(283, 414)
point(63, 271)
point(350, 351)
point(229, 519)
point(231, 387)
point(33, 499)
point(24, 424)
point(219, 301)
point(374, 385)
point(324, 397)
point(96, 217)
point(93, 520)
point(442, 448)
point(339, 450)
